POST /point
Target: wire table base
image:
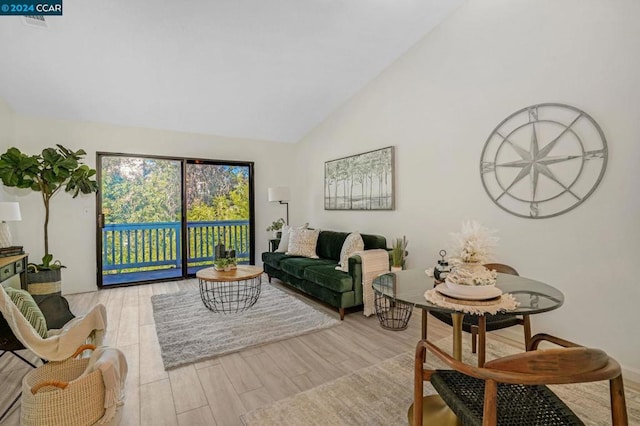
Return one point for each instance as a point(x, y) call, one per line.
point(392, 314)
point(229, 292)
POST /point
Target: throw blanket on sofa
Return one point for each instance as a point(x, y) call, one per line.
point(60, 344)
point(374, 263)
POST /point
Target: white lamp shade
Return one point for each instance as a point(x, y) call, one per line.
point(10, 211)
point(279, 193)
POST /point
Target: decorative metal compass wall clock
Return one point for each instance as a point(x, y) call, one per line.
point(543, 160)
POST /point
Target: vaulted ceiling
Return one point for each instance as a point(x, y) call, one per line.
point(261, 69)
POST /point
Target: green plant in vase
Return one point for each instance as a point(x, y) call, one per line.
point(399, 252)
point(232, 263)
point(276, 226)
point(221, 263)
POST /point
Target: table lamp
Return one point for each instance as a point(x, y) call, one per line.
point(280, 194)
point(9, 211)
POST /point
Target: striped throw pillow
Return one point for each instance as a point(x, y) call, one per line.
point(29, 309)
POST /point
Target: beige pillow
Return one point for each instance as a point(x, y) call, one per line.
point(283, 247)
point(352, 244)
point(302, 242)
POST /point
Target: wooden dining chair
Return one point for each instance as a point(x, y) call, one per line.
point(512, 390)
point(493, 322)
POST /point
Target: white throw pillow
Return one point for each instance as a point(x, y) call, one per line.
point(283, 247)
point(302, 242)
point(352, 244)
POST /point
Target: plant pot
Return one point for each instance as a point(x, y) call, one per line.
point(227, 268)
point(44, 282)
point(396, 268)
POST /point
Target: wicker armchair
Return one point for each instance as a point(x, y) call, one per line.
point(511, 391)
point(55, 309)
point(493, 322)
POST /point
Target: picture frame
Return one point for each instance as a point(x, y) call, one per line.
point(361, 182)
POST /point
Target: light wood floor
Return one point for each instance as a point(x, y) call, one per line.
point(217, 392)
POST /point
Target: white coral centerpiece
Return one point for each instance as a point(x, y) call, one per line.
point(474, 244)
point(479, 275)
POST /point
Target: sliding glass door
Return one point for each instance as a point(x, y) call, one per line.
point(218, 211)
point(160, 218)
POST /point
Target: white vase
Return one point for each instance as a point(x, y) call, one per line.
point(396, 268)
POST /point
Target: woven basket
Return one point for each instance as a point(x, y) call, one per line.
point(42, 282)
point(71, 399)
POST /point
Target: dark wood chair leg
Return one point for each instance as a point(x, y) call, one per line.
point(269, 278)
point(15, 401)
point(425, 316)
point(526, 323)
point(489, 412)
point(341, 310)
point(482, 340)
point(618, 403)
point(474, 339)
point(24, 359)
point(418, 385)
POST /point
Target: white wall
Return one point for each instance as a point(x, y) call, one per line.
point(7, 130)
point(7, 121)
point(72, 223)
point(438, 104)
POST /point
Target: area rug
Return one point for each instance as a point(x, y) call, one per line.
point(189, 332)
point(382, 393)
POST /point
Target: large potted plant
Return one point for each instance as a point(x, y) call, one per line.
point(47, 173)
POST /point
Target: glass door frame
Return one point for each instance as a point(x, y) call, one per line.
point(183, 217)
point(185, 241)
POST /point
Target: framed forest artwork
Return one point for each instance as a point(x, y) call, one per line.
point(360, 182)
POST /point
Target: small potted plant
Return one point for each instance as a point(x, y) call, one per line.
point(221, 264)
point(275, 227)
point(398, 253)
point(232, 261)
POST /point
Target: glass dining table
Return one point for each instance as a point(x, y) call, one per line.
point(409, 286)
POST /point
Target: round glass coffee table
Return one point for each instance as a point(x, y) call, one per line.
point(232, 291)
point(409, 287)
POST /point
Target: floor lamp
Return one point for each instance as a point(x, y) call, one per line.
point(8, 212)
point(280, 194)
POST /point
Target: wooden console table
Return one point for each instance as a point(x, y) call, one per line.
point(14, 265)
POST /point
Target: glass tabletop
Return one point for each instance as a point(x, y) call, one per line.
point(409, 286)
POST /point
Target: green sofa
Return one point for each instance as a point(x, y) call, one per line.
point(318, 277)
